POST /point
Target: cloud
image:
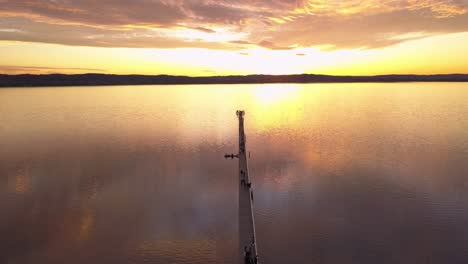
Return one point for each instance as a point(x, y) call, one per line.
point(206, 30)
point(79, 35)
point(273, 45)
point(97, 13)
point(271, 24)
point(10, 69)
point(364, 31)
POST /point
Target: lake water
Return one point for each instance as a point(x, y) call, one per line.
point(342, 173)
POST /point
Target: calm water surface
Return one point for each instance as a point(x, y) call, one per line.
point(343, 173)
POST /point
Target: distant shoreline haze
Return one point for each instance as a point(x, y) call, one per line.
point(93, 79)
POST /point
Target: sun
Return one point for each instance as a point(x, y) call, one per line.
point(277, 62)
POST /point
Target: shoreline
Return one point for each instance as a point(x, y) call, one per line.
point(92, 79)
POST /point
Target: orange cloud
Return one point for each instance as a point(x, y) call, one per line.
point(234, 24)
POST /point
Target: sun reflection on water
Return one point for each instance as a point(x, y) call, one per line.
point(276, 106)
point(86, 224)
point(22, 181)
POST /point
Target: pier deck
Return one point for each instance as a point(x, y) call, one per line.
point(247, 236)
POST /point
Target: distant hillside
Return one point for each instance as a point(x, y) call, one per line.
point(28, 80)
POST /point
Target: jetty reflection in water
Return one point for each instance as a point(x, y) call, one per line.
point(362, 173)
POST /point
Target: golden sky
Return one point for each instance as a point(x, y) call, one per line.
point(207, 37)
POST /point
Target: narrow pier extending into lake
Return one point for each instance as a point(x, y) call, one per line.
point(247, 238)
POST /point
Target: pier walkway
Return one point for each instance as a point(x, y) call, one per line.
point(247, 238)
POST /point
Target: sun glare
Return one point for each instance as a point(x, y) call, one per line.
point(274, 94)
point(276, 105)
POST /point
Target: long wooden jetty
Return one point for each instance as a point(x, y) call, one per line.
point(248, 253)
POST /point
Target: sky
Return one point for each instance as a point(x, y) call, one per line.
point(230, 37)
